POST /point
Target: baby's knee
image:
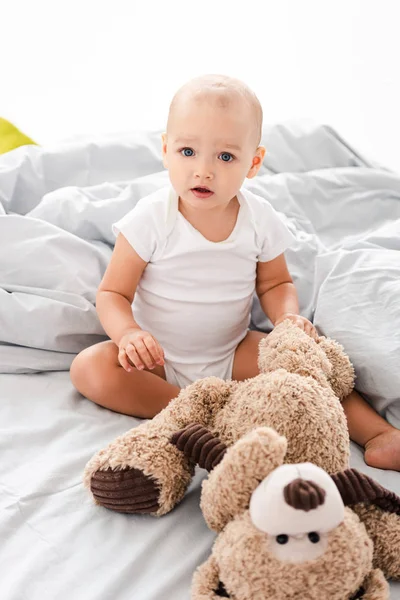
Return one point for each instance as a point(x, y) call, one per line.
point(91, 367)
point(80, 370)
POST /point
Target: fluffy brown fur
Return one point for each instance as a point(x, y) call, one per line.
point(293, 394)
point(241, 559)
point(297, 393)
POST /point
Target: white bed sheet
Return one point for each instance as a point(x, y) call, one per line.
point(56, 544)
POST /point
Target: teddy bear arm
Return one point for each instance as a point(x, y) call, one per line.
point(141, 471)
point(342, 375)
point(227, 491)
point(375, 586)
point(206, 581)
point(384, 530)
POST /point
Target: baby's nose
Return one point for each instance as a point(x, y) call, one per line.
point(204, 170)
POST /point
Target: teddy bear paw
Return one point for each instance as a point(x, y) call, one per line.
point(126, 490)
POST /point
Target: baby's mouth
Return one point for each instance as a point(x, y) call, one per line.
point(202, 192)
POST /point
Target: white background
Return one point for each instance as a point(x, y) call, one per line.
point(85, 67)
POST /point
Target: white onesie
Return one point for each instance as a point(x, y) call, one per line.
point(195, 295)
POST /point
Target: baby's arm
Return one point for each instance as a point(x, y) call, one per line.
point(277, 294)
point(113, 303)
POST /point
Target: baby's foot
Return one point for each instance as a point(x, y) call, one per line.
point(383, 451)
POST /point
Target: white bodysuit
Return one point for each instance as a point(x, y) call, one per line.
point(195, 296)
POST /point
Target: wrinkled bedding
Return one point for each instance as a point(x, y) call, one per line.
point(57, 205)
point(55, 229)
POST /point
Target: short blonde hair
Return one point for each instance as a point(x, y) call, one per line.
point(223, 89)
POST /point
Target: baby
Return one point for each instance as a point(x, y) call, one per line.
point(176, 297)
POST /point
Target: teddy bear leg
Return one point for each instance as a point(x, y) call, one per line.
point(206, 584)
point(384, 530)
point(141, 471)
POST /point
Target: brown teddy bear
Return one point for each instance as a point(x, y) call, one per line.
point(289, 536)
point(297, 394)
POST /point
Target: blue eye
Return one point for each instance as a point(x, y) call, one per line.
point(187, 152)
point(226, 156)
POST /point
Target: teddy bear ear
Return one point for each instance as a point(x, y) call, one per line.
point(341, 377)
point(235, 471)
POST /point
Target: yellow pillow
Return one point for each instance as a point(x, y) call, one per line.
point(11, 137)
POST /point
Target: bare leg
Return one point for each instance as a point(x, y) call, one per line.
point(368, 429)
point(245, 364)
point(97, 374)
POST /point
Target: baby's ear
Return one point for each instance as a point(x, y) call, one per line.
point(164, 149)
point(256, 162)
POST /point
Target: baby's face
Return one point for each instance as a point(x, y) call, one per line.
point(212, 147)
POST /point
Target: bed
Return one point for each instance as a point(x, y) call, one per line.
point(57, 205)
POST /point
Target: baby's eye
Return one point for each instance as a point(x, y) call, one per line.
point(226, 156)
point(187, 152)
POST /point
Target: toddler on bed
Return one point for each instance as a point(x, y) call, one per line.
point(176, 297)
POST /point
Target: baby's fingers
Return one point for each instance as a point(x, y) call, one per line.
point(155, 350)
point(123, 360)
point(311, 331)
point(144, 355)
point(134, 357)
point(300, 323)
point(162, 357)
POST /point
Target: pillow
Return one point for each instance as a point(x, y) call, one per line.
point(11, 137)
point(358, 305)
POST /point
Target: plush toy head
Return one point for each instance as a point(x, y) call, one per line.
point(295, 536)
point(297, 506)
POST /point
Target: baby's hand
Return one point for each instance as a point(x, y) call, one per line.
point(140, 349)
point(301, 322)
